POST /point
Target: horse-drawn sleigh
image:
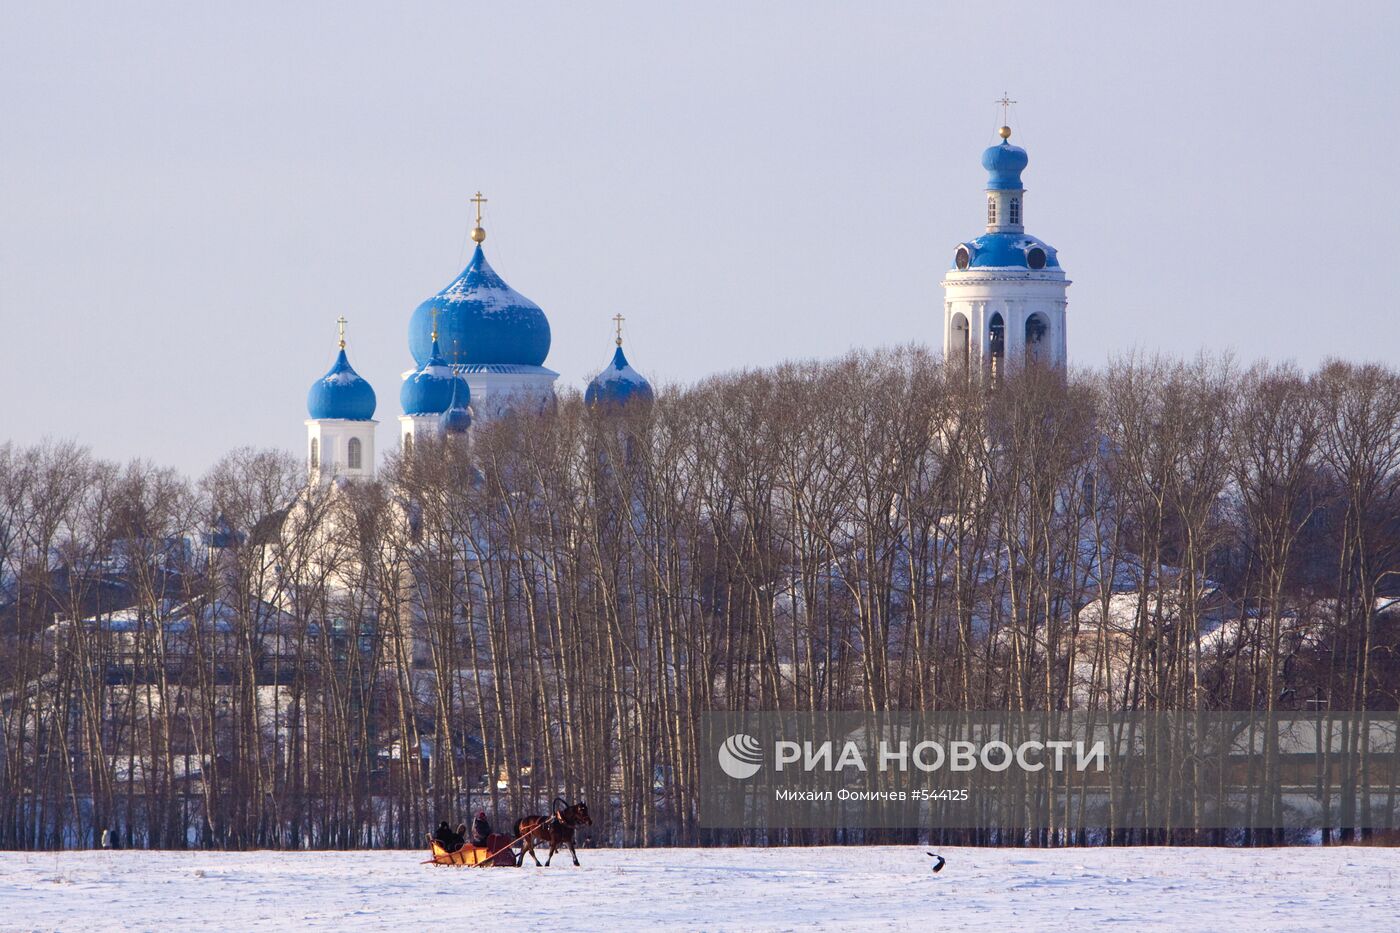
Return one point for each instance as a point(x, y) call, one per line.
point(497, 852)
point(557, 830)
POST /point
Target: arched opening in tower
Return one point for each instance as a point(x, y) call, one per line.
point(1037, 327)
point(996, 343)
point(960, 342)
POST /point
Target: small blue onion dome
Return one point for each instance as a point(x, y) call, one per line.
point(1004, 164)
point(428, 391)
point(341, 393)
point(617, 385)
point(490, 321)
point(457, 419)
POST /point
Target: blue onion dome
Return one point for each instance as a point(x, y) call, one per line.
point(428, 390)
point(458, 417)
point(341, 393)
point(618, 384)
point(490, 321)
point(1004, 164)
point(1005, 250)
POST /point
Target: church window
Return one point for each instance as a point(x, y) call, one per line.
point(315, 454)
point(992, 210)
point(1036, 328)
point(959, 347)
point(1035, 257)
point(353, 455)
point(962, 259)
point(408, 443)
point(1015, 210)
point(996, 334)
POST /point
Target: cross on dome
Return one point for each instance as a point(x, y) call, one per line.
point(478, 232)
point(618, 319)
point(1005, 103)
point(341, 321)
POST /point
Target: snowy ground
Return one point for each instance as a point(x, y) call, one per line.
point(712, 889)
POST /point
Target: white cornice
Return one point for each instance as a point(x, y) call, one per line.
point(1009, 274)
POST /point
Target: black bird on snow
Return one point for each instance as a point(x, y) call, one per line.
point(938, 865)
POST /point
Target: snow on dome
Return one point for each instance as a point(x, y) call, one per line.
point(1004, 164)
point(341, 393)
point(617, 385)
point(428, 391)
point(1007, 250)
point(483, 319)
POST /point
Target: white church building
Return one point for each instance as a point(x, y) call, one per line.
point(480, 346)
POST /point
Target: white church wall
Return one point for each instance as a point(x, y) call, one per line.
point(331, 438)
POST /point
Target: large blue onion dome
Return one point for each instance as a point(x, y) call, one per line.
point(341, 393)
point(457, 419)
point(1005, 250)
point(482, 316)
point(618, 384)
point(1004, 164)
point(428, 390)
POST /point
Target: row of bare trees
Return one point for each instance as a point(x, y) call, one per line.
point(249, 661)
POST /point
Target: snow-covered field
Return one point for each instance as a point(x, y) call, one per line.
point(711, 889)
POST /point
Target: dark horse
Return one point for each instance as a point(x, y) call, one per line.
point(557, 829)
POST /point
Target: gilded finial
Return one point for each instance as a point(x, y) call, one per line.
point(478, 232)
point(341, 321)
point(435, 314)
point(1006, 103)
point(618, 319)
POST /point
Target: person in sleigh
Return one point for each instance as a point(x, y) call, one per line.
point(448, 838)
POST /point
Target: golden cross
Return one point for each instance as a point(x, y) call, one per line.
point(341, 321)
point(478, 201)
point(1006, 103)
point(435, 314)
point(618, 319)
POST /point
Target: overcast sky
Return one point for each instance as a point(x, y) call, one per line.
point(191, 193)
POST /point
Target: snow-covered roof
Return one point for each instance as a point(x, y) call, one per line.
point(429, 389)
point(481, 319)
point(618, 384)
point(341, 394)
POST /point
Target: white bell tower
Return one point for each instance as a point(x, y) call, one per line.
point(1004, 299)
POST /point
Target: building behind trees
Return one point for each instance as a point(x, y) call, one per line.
point(249, 660)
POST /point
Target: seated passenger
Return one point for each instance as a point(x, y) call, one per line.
point(446, 837)
point(481, 829)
